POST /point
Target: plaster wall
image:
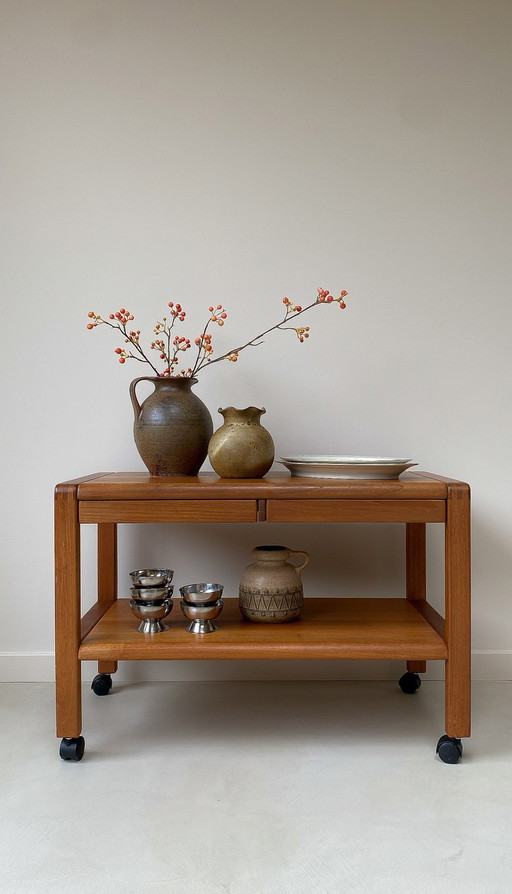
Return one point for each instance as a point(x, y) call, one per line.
point(238, 152)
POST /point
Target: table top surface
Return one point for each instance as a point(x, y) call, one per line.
point(411, 485)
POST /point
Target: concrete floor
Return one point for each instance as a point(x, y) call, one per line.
point(255, 788)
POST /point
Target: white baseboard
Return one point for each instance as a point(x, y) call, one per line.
point(27, 667)
point(38, 667)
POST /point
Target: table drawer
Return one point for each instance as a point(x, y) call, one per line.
point(356, 511)
point(140, 511)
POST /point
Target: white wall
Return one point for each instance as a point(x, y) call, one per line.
point(238, 151)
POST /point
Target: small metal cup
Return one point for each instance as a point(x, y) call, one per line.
point(151, 616)
point(151, 594)
point(152, 577)
point(201, 617)
point(201, 594)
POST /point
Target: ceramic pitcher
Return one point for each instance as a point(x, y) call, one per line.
point(271, 587)
point(172, 427)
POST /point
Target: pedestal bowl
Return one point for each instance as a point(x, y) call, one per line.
point(151, 616)
point(201, 617)
point(201, 594)
point(151, 594)
point(152, 577)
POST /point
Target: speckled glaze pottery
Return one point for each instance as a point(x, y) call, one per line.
point(271, 588)
point(241, 447)
point(172, 427)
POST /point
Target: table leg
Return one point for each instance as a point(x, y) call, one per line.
point(107, 578)
point(458, 611)
point(416, 574)
point(67, 612)
point(107, 667)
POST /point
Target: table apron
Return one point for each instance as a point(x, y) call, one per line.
point(140, 511)
point(356, 510)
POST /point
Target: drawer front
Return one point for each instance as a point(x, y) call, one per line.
point(140, 511)
point(356, 511)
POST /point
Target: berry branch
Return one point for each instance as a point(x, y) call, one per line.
point(170, 348)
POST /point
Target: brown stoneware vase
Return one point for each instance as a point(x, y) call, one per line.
point(241, 447)
point(271, 588)
point(172, 426)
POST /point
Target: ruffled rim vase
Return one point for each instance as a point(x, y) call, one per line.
point(241, 447)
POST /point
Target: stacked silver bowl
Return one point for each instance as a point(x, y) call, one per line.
point(151, 600)
point(201, 604)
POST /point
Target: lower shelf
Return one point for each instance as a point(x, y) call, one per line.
point(327, 628)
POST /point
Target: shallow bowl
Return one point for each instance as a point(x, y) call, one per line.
point(201, 594)
point(347, 467)
point(152, 577)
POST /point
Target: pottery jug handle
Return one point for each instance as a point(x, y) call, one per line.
point(135, 402)
point(299, 552)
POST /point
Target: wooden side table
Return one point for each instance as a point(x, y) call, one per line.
point(407, 627)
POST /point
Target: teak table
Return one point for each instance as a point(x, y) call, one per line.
point(406, 628)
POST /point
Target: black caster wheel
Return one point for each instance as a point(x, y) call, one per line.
point(409, 683)
point(449, 750)
point(72, 749)
point(102, 684)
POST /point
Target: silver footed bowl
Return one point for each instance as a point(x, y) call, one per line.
point(152, 577)
point(202, 617)
point(201, 594)
point(203, 612)
point(143, 610)
point(151, 616)
point(151, 594)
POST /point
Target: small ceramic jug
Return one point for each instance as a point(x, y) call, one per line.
point(241, 447)
point(270, 588)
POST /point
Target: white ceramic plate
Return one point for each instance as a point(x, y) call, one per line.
point(347, 467)
point(345, 460)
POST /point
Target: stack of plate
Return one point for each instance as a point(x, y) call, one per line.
point(375, 467)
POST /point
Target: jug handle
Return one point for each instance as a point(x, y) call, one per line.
point(133, 396)
point(299, 552)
